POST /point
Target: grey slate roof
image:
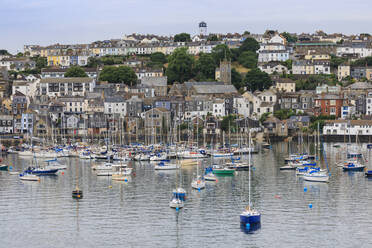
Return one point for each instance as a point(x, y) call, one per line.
point(215, 89)
point(67, 80)
point(154, 81)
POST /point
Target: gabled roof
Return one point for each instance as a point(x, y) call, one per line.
point(215, 89)
point(67, 80)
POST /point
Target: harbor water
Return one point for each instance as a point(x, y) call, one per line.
point(137, 214)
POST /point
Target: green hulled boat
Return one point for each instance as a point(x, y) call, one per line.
point(218, 170)
point(3, 167)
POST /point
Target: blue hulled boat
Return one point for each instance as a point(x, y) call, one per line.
point(250, 216)
point(353, 166)
point(41, 171)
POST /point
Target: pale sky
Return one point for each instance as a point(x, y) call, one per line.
point(47, 22)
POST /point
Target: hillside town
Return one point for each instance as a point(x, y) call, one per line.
point(144, 87)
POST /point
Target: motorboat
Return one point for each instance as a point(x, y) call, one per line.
point(221, 170)
point(29, 177)
point(353, 166)
point(165, 165)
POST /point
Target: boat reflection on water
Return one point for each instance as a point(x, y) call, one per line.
point(250, 228)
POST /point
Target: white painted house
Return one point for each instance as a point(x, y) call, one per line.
point(115, 105)
point(348, 127)
point(219, 108)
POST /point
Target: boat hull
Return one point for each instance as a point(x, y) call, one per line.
point(3, 167)
point(251, 219)
point(324, 179)
point(223, 172)
point(50, 172)
point(353, 168)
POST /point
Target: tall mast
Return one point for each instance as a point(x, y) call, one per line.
point(249, 169)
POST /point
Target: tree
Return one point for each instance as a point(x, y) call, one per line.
point(284, 114)
point(234, 54)
point(4, 52)
point(290, 38)
point(157, 60)
point(182, 37)
point(236, 79)
point(287, 63)
point(212, 37)
point(248, 59)
point(75, 71)
point(256, 79)
point(93, 62)
point(246, 33)
point(264, 117)
point(205, 67)
point(228, 121)
point(19, 55)
point(158, 57)
point(121, 74)
point(336, 61)
point(180, 66)
point(249, 44)
point(220, 52)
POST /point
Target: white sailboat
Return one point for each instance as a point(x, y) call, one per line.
point(199, 182)
point(250, 215)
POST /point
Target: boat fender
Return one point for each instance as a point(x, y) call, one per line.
point(305, 189)
point(125, 180)
point(177, 209)
point(310, 206)
point(248, 226)
point(199, 189)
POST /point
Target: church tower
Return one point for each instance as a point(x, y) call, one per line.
point(225, 71)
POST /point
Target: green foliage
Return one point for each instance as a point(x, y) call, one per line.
point(180, 66)
point(256, 79)
point(336, 61)
point(249, 44)
point(367, 61)
point(182, 37)
point(75, 71)
point(220, 52)
point(157, 60)
point(246, 33)
point(321, 120)
point(264, 117)
point(236, 79)
point(248, 59)
point(158, 57)
point(284, 114)
point(205, 67)
point(19, 55)
point(290, 38)
point(314, 80)
point(234, 54)
point(288, 64)
point(212, 37)
point(40, 62)
point(4, 52)
point(121, 74)
point(183, 126)
point(93, 62)
point(229, 121)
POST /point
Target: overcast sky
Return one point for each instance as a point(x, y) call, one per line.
point(80, 21)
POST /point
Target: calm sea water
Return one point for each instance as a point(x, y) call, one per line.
point(136, 213)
